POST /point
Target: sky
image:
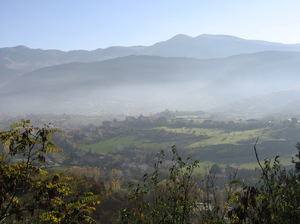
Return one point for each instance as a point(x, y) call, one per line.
point(91, 24)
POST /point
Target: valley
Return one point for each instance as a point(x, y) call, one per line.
point(208, 111)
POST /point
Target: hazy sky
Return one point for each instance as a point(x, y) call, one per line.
point(91, 24)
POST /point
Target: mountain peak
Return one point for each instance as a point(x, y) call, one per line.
point(180, 37)
point(20, 47)
point(217, 37)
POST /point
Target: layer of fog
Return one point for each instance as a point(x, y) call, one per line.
point(144, 99)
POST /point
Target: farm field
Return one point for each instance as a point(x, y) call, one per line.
point(219, 141)
point(232, 145)
point(112, 144)
point(217, 136)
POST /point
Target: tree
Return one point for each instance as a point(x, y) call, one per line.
point(276, 199)
point(159, 200)
point(297, 163)
point(215, 169)
point(28, 191)
point(115, 176)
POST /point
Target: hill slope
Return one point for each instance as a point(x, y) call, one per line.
point(137, 84)
point(18, 60)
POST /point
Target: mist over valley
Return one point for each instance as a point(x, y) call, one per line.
point(216, 73)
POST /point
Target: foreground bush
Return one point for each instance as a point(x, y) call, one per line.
point(29, 193)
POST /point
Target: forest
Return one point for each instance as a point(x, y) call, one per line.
point(170, 167)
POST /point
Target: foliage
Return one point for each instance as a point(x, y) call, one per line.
point(275, 200)
point(177, 198)
point(297, 163)
point(171, 200)
point(28, 191)
point(171, 193)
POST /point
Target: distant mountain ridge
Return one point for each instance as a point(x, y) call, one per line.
point(18, 60)
point(188, 73)
point(213, 46)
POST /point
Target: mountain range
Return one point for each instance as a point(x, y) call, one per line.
point(207, 72)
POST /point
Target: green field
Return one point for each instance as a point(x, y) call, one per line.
point(207, 137)
point(111, 144)
point(218, 136)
